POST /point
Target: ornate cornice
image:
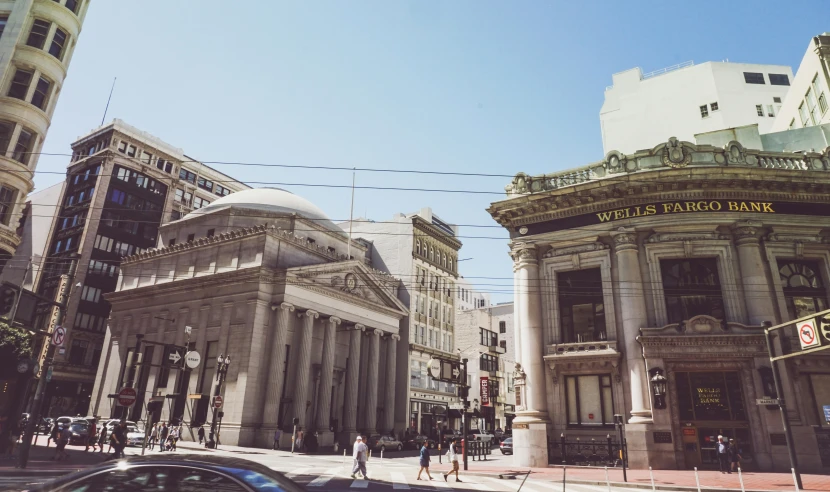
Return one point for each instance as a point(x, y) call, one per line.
point(524, 254)
point(625, 239)
point(582, 248)
point(665, 237)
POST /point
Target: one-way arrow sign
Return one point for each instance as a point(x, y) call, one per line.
point(174, 355)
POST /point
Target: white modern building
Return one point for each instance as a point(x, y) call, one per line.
point(422, 250)
point(688, 99)
point(806, 103)
point(467, 297)
point(37, 41)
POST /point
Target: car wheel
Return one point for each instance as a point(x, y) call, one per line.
point(400, 447)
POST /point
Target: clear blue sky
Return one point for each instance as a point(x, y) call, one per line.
point(491, 87)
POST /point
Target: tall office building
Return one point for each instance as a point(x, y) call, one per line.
point(806, 104)
point(37, 40)
point(122, 184)
point(687, 99)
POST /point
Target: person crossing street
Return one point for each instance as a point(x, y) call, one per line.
point(359, 455)
point(452, 455)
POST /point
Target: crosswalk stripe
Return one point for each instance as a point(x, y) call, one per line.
point(324, 478)
point(360, 484)
point(510, 484)
point(399, 481)
point(480, 486)
point(439, 483)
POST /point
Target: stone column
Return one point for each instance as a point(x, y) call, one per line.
point(634, 317)
point(372, 382)
point(760, 304)
point(389, 395)
point(641, 450)
point(530, 435)
point(303, 364)
point(352, 381)
point(276, 361)
point(323, 417)
point(517, 308)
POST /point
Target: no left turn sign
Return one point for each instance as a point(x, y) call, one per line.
point(59, 336)
point(807, 334)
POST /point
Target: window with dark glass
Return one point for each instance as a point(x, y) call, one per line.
point(754, 78)
point(710, 396)
point(23, 149)
point(488, 338)
point(41, 96)
point(488, 363)
point(221, 190)
point(502, 327)
point(187, 176)
point(205, 184)
point(7, 198)
point(72, 5)
point(804, 291)
point(37, 36)
point(58, 43)
point(778, 79)
point(6, 130)
point(4, 19)
point(20, 84)
point(78, 351)
point(581, 305)
point(589, 400)
point(692, 288)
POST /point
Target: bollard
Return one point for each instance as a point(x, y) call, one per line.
point(369, 458)
point(564, 474)
point(607, 482)
point(741, 478)
point(651, 475)
point(697, 480)
point(344, 457)
point(795, 479)
point(381, 456)
point(439, 453)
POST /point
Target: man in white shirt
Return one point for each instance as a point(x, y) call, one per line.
point(452, 454)
point(359, 454)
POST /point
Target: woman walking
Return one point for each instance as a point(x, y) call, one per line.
point(92, 438)
point(424, 461)
point(154, 434)
point(102, 437)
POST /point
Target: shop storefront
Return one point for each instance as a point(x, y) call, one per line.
point(429, 418)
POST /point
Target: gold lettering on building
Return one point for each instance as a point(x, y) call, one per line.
point(684, 207)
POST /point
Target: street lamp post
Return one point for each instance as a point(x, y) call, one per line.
point(222, 364)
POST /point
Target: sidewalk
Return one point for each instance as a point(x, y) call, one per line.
point(666, 479)
point(40, 462)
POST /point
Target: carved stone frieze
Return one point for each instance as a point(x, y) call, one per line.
point(665, 237)
point(582, 248)
point(676, 154)
point(616, 162)
point(703, 324)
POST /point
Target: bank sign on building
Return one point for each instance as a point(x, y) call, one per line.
point(668, 261)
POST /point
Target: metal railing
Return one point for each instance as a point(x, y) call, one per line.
point(668, 69)
point(586, 452)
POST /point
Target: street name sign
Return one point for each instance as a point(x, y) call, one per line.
point(767, 401)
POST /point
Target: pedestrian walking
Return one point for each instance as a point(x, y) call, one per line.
point(201, 433)
point(734, 455)
point(359, 455)
point(424, 460)
point(723, 455)
point(173, 437)
point(53, 434)
point(118, 438)
point(452, 456)
point(102, 437)
point(277, 435)
point(61, 440)
point(163, 437)
point(92, 438)
point(154, 434)
point(300, 442)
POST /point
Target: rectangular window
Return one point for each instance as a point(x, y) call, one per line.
point(805, 116)
point(78, 351)
point(7, 198)
point(589, 400)
point(489, 363)
point(131, 150)
point(122, 147)
point(146, 157)
point(122, 174)
point(502, 327)
point(4, 19)
point(822, 103)
point(776, 100)
point(715, 396)
point(778, 79)
point(810, 98)
point(20, 84)
point(582, 305)
point(199, 202)
point(205, 184)
point(488, 338)
point(187, 176)
point(23, 149)
point(58, 44)
point(704, 111)
point(754, 78)
point(714, 106)
point(692, 287)
point(221, 190)
point(72, 5)
point(91, 294)
point(211, 232)
point(37, 36)
point(103, 243)
point(118, 197)
point(41, 96)
point(759, 109)
point(770, 111)
point(792, 124)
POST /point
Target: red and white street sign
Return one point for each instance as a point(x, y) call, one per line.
point(807, 334)
point(217, 401)
point(126, 397)
point(59, 336)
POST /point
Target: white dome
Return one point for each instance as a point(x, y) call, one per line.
point(269, 200)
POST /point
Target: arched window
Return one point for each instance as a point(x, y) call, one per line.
point(804, 291)
point(431, 254)
point(443, 260)
point(418, 246)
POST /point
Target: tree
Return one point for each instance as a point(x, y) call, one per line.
point(16, 343)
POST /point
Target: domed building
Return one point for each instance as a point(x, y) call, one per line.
point(264, 277)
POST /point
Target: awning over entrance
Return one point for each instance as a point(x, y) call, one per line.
point(454, 414)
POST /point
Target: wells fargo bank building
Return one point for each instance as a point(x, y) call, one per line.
point(668, 261)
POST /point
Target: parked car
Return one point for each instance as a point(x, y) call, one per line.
point(506, 446)
point(479, 435)
point(173, 471)
point(135, 436)
point(78, 432)
point(384, 443)
point(415, 442)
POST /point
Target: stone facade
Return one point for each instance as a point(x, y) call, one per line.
point(669, 260)
point(36, 48)
point(312, 334)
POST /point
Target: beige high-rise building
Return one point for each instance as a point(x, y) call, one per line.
point(37, 40)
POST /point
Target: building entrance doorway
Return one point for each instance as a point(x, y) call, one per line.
point(710, 404)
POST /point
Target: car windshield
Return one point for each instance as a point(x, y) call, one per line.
point(78, 427)
point(132, 428)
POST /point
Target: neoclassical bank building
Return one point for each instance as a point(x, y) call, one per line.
point(667, 262)
point(261, 276)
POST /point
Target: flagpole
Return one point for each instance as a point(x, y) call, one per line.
point(351, 219)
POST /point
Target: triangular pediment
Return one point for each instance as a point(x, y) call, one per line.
point(351, 280)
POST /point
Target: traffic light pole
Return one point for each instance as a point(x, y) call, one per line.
point(23, 457)
point(465, 421)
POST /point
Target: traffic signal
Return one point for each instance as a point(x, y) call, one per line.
point(7, 297)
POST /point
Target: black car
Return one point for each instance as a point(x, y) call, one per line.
point(180, 473)
point(415, 442)
point(506, 446)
